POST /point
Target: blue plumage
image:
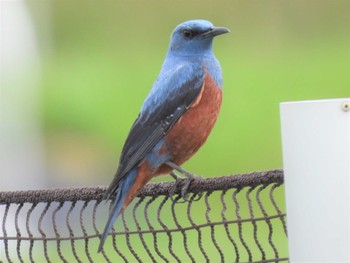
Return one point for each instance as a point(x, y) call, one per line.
point(170, 83)
point(124, 187)
point(188, 62)
point(184, 60)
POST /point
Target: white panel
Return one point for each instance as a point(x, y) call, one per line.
point(316, 157)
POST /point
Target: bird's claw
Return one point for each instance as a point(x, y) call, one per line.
point(189, 179)
point(183, 195)
point(184, 190)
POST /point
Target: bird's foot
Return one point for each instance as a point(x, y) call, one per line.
point(187, 182)
point(186, 186)
point(178, 179)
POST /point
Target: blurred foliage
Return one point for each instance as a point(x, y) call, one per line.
point(100, 59)
point(104, 56)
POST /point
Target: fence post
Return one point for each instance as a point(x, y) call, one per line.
point(316, 158)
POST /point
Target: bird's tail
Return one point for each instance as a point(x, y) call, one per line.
point(123, 188)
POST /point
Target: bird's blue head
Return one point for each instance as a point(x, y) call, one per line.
point(194, 37)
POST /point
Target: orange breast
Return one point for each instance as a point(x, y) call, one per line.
point(193, 128)
point(186, 136)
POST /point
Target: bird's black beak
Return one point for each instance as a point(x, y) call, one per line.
point(215, 31)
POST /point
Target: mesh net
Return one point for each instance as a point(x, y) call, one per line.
point(237, 218)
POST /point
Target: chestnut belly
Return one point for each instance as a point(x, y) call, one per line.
point(193, 128)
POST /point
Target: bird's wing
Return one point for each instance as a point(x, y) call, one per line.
point(149, 129)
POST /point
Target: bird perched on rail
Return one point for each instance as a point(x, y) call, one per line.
point(176, 117)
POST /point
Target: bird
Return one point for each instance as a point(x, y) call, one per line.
point(175, 119)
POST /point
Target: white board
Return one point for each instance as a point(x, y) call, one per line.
point(316, 158)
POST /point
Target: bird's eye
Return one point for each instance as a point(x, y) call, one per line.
point(188, 34)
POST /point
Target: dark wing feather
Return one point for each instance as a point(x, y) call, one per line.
point(148, 130)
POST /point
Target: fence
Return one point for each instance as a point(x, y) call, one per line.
point(238, 218)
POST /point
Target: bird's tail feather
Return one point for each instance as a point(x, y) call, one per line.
point(122, 191)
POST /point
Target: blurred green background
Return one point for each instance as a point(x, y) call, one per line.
point(99, 59)
point(102, 57)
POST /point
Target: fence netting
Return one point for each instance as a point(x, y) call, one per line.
point(237, 218)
